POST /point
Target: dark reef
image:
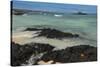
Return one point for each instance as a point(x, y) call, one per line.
point(21, 53)
point(32, 29)
point(72, 54)
point(53, 33)
point(81, 53)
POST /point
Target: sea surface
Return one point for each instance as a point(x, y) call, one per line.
point(84, 25)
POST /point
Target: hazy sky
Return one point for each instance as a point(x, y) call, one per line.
point(54, 6)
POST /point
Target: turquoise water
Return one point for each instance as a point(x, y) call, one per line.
point(84, 25)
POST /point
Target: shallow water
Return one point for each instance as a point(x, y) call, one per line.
point(84, 25)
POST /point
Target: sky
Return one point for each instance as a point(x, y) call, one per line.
point(55, 7)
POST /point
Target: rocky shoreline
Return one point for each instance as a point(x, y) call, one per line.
point(20, 54)
point(41, 53)
point(72, 54)
point(52, 33)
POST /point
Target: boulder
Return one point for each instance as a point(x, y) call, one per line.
point(80, 53)
point(21, 53)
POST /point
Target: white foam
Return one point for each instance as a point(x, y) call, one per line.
point(59, 44)
point(21, 37)
point(33, 59)
point(58, 15)
point(29, 37)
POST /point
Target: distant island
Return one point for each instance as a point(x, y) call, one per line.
point(25, 11)
point(80, 13)
point(30, 12)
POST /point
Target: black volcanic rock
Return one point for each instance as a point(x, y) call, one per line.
point(40, 47)
point(21, 53)
point(80, 53)
point(32, 29)
point(15, 54)
point(53, 33)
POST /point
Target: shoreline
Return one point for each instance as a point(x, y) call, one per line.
point(41, 54)
point(33, 35)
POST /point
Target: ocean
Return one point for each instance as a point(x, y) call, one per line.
point(84, 25)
